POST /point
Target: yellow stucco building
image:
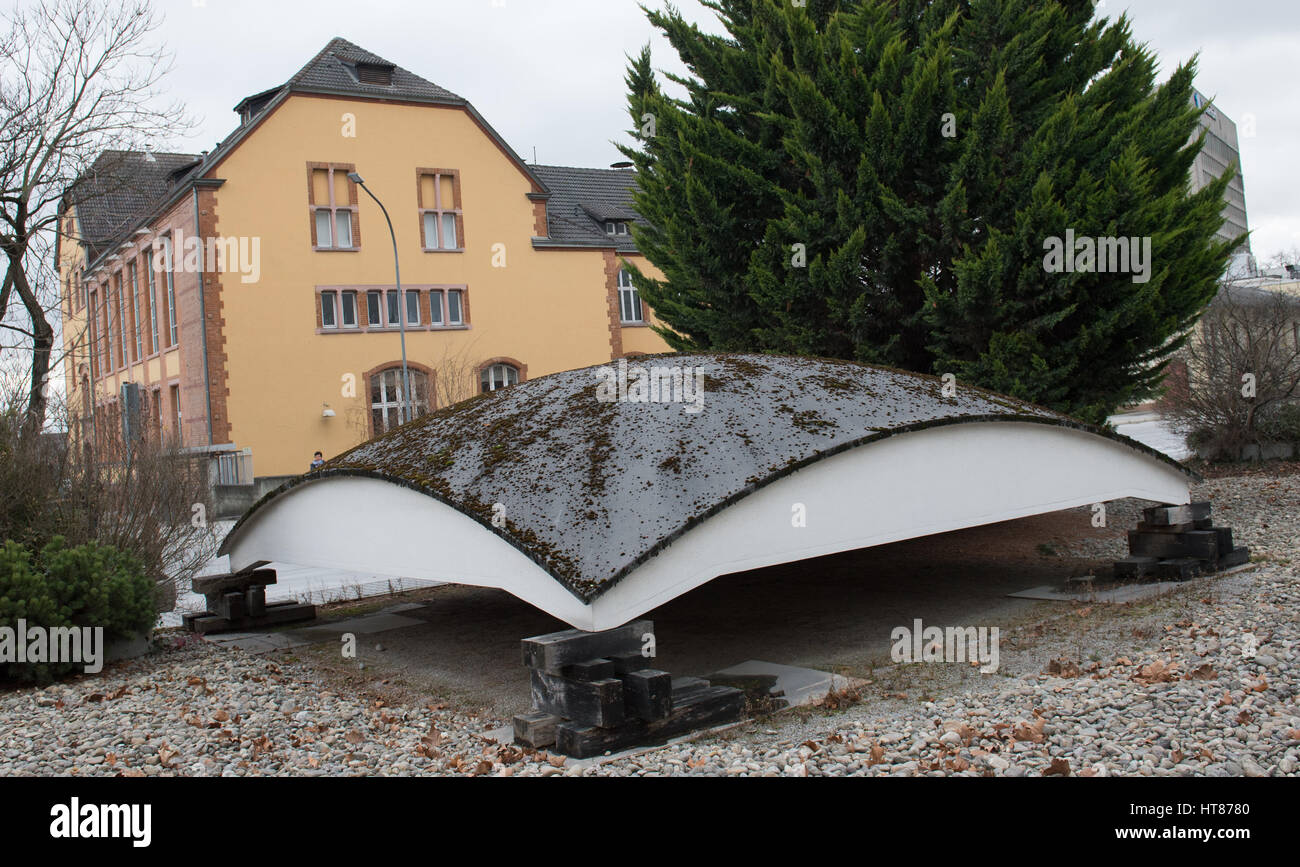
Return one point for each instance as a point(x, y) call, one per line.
point(247, 297)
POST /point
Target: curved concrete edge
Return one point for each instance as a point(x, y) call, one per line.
point(928, 481)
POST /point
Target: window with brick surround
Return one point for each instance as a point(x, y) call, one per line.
point(386, 397)
point(442, 224)
point(629, 300)
point(380, 308)
point(349, 300)
point(332, 201)
point(153, 310)
point(135, 310)
point(173, 332)
point(92, 318)
point(447, 308)
point(496, 376)
point(328, 310)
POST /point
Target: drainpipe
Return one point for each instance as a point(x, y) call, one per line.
point(203, 316)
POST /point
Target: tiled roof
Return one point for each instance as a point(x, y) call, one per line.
point(121, 189)
point(128, 188)
point(583, 199)
point(334, 70)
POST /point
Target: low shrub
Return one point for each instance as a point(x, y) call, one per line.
point(88, 585)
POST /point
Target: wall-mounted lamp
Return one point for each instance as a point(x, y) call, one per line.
point(326, 412)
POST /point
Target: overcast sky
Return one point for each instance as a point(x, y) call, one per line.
point(548, 74)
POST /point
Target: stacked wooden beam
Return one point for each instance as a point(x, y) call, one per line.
point(1175, 543)
point(237, 600)
point(595, 692)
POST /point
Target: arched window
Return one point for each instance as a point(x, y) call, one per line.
point(496, 376)
point(386, 397)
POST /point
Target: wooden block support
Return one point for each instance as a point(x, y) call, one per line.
point(590, 703)
point(648, 694)
point(634, 661)
point(276, 612)
point(1179, 569)
point(1177, 514)
point(215, 584)
point(693, 708)
point(1235, 557)
point(1135, 567)
point(536, 729)
point(592, 669)
point(1201, 544)
point(551, 652)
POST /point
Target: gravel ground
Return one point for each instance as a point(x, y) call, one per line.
point(1166, 687)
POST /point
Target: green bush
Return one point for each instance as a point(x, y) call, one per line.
point(89, 585)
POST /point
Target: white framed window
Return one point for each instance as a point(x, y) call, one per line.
point(374, 309)
point(386, 398)
point(172, 332)
point(331, 197)
point(629, 300)
point(440, 209)
point(334, 228)
point(135, 311)
point(328, 311)
point(616, 227)
point(153, 309)
point(394, 309)
point(497, 376)
point(454, 314)
point(412, 307)
point(349, 300)
point(446, 307)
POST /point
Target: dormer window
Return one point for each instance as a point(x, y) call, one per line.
point(374, 73)
point(616, 227)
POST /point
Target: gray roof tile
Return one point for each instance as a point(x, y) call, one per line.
point(583, 199)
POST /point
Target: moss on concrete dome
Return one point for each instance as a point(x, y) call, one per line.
point(591, 489)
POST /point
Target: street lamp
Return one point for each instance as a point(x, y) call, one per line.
point(404, 408)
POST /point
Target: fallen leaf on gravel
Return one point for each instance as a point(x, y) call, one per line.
point(483, 767)
point(354, 737)
point(1245, 717)
point(95, 696)
point(877, 754)
point(1063, 668)
point(1205, 672)
point(1058, 768)
point(1157, 672)
point(1123, 660)
point(313, 762)
point(1258, 687)
point(1293, 734)
point(1027, 732)
point(166, 754)
point(556, 761)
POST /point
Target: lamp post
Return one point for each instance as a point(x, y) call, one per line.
point(404, 408)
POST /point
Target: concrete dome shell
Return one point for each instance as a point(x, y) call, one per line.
point(593, 494)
